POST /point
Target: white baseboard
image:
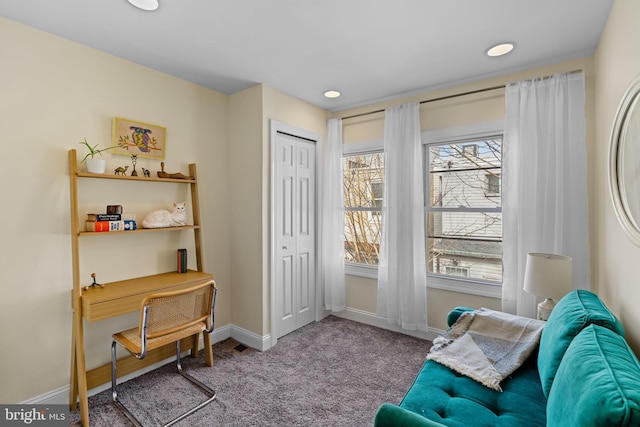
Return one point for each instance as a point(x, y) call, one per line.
point(369, 318)
point(248, 338)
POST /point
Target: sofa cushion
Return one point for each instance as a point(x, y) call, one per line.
point(451, 399)
point(390, 415)
point(597, 383)
point(577, 310)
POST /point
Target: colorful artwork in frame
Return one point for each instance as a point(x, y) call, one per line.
point(142, 139)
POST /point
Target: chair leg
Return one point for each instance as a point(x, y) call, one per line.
point(211, 393)
point(114, 391)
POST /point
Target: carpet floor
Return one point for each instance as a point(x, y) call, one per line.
point(335, 372)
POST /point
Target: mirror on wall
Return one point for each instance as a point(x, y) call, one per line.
point(624, 162)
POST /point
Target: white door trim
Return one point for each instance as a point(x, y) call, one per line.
point(276, 127)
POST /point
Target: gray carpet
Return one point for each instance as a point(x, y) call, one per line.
point(331, 373)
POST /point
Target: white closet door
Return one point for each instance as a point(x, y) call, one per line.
point(294, 239)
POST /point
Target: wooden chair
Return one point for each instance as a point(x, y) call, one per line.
point(168, 317)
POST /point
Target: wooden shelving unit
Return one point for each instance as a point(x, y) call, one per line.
point(123, 296)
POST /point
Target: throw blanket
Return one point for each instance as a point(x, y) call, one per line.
point(487, 345)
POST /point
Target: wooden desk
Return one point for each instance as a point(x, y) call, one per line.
point(114, 299)
point(125, 296)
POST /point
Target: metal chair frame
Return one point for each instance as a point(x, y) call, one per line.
point(207, 327)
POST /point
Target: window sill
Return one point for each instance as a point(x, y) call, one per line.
point(361, 270)
point(465, 286)
point(434, 282)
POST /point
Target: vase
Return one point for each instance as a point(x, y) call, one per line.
point(96, 165)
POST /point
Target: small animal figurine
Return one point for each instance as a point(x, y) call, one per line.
point(146, 172)
point(121, 170)
point(164, 218)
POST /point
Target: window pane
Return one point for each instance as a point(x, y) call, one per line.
point(465, 174)
point(362, 237)
point(363, 195)
point(467, 225)
point(473, 259)
point(363, 179)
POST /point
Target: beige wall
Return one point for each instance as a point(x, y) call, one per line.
point(616, 266)
point(251, 111)
point(245, 183)
point(460, 111)
point(54, 93)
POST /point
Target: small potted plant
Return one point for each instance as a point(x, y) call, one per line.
point(94, 165)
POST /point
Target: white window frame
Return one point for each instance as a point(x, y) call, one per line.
point(456, 134)
point(366, 147)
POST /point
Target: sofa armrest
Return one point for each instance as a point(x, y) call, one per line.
point(389, 415)
point(453, 315)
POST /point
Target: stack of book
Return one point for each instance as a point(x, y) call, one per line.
point(111, 221)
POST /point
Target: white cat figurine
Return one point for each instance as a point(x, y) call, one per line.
point(164, 218)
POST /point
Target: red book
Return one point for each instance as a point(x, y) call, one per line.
point(105, 225)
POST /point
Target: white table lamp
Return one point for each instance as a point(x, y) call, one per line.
point(547, 276)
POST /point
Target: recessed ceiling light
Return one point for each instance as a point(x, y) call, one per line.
point(145, 4)
point(332, 94)
point(500, 49)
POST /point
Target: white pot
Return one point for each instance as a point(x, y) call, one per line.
point(96, 165)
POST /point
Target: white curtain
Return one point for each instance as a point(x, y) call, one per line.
point(402, 297)
point(545, 202)
point(332, 211)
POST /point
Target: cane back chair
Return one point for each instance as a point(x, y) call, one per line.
point(165, 318)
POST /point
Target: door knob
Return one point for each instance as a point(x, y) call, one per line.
point(285, 247)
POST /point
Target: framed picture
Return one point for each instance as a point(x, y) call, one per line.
point(143, 139)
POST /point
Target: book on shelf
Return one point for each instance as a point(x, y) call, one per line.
point(104, 217)
point(111, 217)
point(99, 226)
point(130, 224)
point(182, 261)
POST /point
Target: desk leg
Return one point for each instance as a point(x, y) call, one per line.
point(208, 351)
point(80, 372)
point(73, 382)
point(195, 344)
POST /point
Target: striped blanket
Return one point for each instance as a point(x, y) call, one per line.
point(487, 345)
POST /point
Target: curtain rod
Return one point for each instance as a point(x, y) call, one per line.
point(455, 95)
point(426, 101)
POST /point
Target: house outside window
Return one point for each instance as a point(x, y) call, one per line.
point(492, 184)
point(464, 209)
point(363, 193)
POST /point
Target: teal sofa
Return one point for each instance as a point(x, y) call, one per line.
point(583, 374)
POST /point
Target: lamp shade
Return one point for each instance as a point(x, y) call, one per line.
point(548, 275)
point(145, 4)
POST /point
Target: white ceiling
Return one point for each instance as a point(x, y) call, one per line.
point(370, 50)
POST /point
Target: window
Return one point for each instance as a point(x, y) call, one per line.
point(470, 150)
point(363, 195)
point(457, 271)
point(492, 184)
point(464, 209)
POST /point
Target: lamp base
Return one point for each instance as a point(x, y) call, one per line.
point(544, 309)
